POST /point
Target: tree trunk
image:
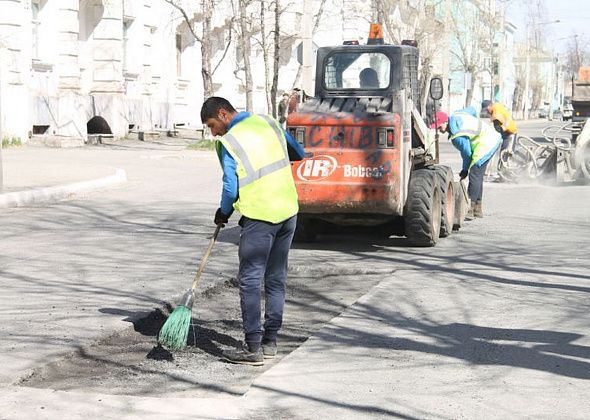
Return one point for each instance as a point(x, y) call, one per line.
point(245, 45)
point(276, 59)
point(425, 76)
point(469, 96)
point(265, 54)
point(206, 49)
point(316, 25)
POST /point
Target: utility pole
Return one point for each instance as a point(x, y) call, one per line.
point(527, 75)
point(2, 61)
point(307, 46)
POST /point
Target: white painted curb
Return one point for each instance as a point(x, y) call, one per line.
point(53, 194)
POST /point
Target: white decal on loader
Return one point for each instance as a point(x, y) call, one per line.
point(359, 171)
point(317, 168)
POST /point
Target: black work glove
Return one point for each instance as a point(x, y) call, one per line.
point(220, 218)
point(463, 174)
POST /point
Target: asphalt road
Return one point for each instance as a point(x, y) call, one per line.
point(492, 322)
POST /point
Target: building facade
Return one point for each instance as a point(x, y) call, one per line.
point(137, 66)
point(67, 61)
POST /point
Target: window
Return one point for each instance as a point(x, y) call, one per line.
point(358, 70)
point(36, 23)
point(178, 55)
point(126, 48)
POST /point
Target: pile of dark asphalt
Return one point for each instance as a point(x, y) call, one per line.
point(130, 362)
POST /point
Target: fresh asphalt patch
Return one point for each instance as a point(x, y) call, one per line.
point(130, 362)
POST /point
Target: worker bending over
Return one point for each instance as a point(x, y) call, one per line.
point(477, 142)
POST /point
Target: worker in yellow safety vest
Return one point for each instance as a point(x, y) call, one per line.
point(477, 142)
point(255, 153)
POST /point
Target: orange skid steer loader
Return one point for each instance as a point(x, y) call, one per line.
point(370, 159)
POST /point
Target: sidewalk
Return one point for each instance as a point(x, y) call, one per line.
point(40, 175)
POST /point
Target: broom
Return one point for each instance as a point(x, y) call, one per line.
point(174, 332)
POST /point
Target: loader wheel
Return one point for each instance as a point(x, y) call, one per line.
point(447, 194)
point(304, 232)
point(423, 208)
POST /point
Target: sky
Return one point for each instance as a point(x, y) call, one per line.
point(574, 15)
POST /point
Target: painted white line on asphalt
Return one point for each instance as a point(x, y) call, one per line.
point(53, 194)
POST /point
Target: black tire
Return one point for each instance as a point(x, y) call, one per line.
point(423, 208)
point(304, 232)
point(447, 196)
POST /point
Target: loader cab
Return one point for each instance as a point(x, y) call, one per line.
point(370, 71)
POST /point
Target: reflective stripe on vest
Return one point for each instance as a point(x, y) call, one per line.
point(266, 189)
point(470, 127)
point(488, 140)
point(252, 174)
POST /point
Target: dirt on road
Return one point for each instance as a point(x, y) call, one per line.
point(129, 362)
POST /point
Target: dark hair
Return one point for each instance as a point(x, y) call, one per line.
point(368, 78)
point(212, 105)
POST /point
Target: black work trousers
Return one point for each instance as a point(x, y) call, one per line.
point(475, 188)
point(263, 252)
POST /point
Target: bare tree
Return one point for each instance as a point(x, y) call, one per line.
point(270, 42)
point(204, 38)
point(472, 32)
point(419, 24)
point(263, 41)
point(578, 53)
point(277, 57)
point(244, 43)
point(316, 24)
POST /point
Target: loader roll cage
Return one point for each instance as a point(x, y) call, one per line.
point(338, 74)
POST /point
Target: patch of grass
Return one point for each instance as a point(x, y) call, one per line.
point(11, 141)
point(205, 144)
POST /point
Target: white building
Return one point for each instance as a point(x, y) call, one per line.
point(136, 64)
point(66, 61)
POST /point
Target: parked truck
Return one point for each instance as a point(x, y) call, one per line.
point(371, 159)
point(580, 101)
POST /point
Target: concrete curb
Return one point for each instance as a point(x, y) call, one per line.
point(60, 192)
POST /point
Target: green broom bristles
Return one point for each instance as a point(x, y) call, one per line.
point(174, 332)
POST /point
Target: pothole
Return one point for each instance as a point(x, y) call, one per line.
point(130, 363)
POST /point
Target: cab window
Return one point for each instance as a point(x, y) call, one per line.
point(359, 70)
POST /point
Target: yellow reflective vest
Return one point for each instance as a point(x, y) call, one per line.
point(483, 138)
point(266, 190)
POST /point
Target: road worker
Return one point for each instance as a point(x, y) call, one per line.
point(477, 142)
point(254, 152)
point(506, 126)
point(503, 122)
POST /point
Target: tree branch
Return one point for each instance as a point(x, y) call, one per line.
point(186, 19)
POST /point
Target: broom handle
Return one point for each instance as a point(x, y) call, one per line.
point(205, 257)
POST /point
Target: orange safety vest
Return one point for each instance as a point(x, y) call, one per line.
point(500, 113)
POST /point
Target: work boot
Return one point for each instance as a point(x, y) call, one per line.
point(478, 210)
point(471, 212)
point(242, 355)
point(269, 349)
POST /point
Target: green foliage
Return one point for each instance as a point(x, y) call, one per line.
point(174, 332)
point(11, 141)
point(205, 144)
